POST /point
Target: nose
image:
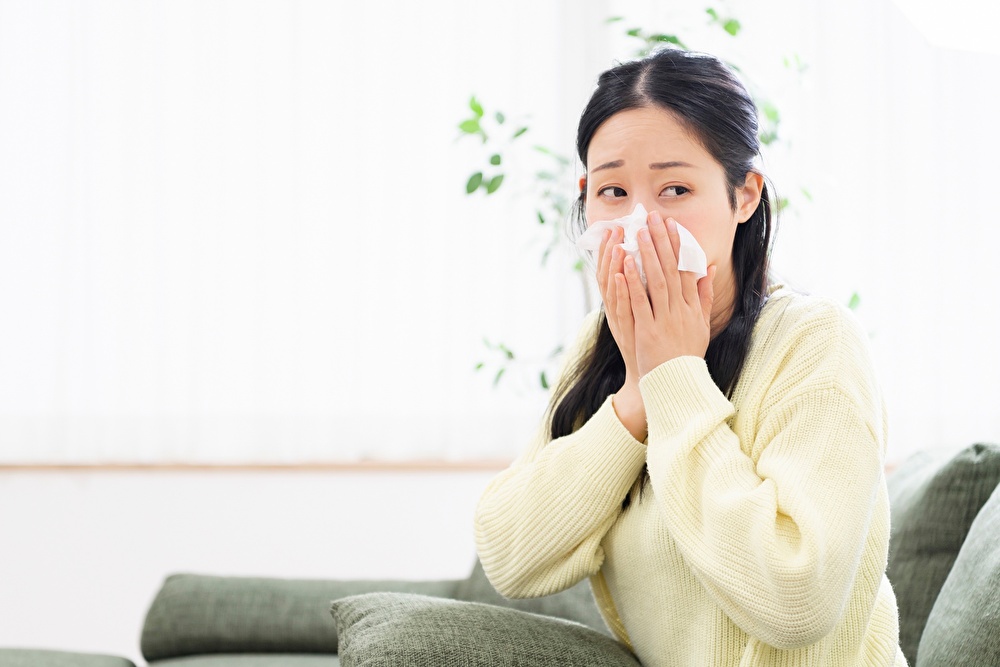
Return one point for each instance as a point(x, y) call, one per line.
point(651, 204)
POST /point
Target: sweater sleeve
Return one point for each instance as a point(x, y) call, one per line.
point(539, 524)
point(774, 528)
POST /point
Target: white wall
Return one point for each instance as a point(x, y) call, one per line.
point(237, 232)
point(82, 555)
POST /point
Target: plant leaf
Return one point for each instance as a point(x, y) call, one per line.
point(474, 182)
point(519, 132)
point(470, 126)
point(854, 302)
point(634, 32)
point(578, 266)
point(614, 19)
point(664, 38)
point(714, 14)
point(496, 379)
point(541, 218)
point(494, 184)
point(732, 26)
point(545, 381)
point(771, 112)
point(476, 107)
point(495, 159)
point(500, 118)
point(480, 365)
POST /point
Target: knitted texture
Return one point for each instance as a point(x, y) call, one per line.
point(761, 536)
point(393, 629)
point(573, 604)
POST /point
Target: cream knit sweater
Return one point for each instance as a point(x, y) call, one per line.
point(761, 537)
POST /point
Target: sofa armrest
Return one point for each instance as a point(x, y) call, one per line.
point(194, 614)
point(14, 657)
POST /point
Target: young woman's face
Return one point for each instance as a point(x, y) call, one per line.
point(645, 156)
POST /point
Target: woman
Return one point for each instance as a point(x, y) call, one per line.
point(713, 454)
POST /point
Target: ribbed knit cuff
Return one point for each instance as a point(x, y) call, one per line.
point(616, 458)
point(679, 392)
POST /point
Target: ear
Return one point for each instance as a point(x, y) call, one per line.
point(748, 196)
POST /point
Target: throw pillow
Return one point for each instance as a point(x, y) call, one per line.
point(964, 626)
point(390, 629)
point(573, 604)
point(197, 614)
point(933, 504)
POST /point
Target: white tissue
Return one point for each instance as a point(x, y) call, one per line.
point(690, 258)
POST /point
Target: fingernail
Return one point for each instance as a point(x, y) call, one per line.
point(644, 235)
point(671, 225)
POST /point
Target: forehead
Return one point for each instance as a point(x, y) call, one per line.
point(646, 132)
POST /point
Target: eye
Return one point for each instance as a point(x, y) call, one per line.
point(678, 190)
point(615, 192)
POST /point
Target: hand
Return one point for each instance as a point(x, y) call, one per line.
point(610, 259)
point(673, 318)
point(627, 401)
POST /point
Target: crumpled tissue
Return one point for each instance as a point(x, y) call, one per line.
point(690, 258)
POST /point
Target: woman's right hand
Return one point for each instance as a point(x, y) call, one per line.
point(618, 311)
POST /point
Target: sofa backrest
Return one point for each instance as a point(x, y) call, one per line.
point(197, 614)
point(933, 498)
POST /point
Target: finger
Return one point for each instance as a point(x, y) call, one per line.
point(673, 235)
point(603, 272)
point(667, 258)
point(689, 287)
point(642, 312)
point(601, 276)
point(706, 292)
point(624, 308)
point(604, 244)
point(656, 284)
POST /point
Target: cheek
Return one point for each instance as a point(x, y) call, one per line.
point(714, 233)
point(596, 210)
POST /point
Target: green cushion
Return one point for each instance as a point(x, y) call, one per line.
point(197, 614)
point(934, 502)
point(574, 604)
point(390, 629)
point(18, 657)
point(964, 626)
point(251, 660)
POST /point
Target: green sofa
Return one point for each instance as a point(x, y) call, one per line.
point(944, 563)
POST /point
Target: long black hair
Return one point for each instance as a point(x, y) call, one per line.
point(707, 97)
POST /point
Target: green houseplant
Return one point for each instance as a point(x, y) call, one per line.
point(551, 185)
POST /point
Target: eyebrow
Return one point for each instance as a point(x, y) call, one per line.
point(670, 165)
point(655, 165)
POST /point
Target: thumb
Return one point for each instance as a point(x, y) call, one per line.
point(706, 292)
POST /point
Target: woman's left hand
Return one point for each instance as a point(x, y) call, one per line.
point(672, 314)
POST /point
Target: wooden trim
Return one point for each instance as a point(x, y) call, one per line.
point(316, 467)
